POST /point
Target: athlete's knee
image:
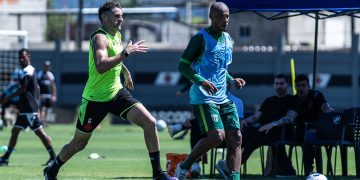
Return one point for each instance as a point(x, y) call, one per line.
point(150, 123)
point(234, 138)
point(15, 131)
point(217, 137)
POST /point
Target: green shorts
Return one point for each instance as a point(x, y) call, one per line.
point(216, 116)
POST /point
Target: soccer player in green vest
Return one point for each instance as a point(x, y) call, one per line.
point(105, 94)
point(205, 62)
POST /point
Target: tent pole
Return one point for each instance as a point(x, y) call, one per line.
point(315, 49)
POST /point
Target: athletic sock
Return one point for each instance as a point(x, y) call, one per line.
point(155, 163)
point(8, 153)
point(55, 166)
point(187, 163)
point(234, 175)
point(51, 152)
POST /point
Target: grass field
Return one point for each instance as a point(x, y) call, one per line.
point(123, 148)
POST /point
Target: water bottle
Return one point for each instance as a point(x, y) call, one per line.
point(3, 148)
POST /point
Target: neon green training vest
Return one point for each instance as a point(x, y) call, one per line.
point(104, 87)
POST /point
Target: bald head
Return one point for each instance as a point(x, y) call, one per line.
point(218, 7)
point(219, 16)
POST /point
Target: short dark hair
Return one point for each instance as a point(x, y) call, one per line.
point(302, 77)
point(282, 76)
point(21, 51)
point(106, 7)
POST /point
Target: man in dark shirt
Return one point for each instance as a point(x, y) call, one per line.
point(313, 103)
point(28, 109)
point(274, 112)
point(47, 90)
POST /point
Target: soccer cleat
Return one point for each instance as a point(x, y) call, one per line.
point(47, 175)
point(163, 176)
point(180, 173)
point(195, 170)
point(4, 162)
point(48, 163)
point(221, 166)
point(174, 129)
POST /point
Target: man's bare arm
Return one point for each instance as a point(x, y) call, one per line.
point(102, 62)
point(289, 118)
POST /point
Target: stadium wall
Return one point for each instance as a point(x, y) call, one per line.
point(157, 91)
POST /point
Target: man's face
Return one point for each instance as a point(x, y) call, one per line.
point(280, 86)
point(47, 67)
point(24, 59)
point(220, 19)
point(114, 18)
point(302, 88)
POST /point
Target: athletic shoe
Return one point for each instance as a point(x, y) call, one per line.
point(4, 162)
point(289, 173)
point(195, 170)
point(180, 173)
point(48, 163)
point(47, 175)
point(163, 176)
point(223, 169)
point(174, 129)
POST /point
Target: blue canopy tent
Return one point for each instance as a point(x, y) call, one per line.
point(318, 9)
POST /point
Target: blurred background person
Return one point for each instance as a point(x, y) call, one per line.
point(313, 103)
point(12, 87)
point(48, 94)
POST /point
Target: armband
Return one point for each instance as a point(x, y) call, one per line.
point(124, 53)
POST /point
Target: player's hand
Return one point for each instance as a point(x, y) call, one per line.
point(266, 127)
point(53, 98)
point(129, 84)
point(139, 46)
point(209, 87)
point(238, 83)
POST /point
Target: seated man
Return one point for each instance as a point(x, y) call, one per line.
point(313, 103)
point(274, 112)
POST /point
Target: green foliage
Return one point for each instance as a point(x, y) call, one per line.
point(198, 20)
point(55, 24)
point(55, 27)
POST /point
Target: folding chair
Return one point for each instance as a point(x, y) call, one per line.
point(287, 138)
point(291, 140)
point(351, 138)
point(213, 156)
point(330, 131)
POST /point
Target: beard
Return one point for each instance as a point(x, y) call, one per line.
point(281, 91)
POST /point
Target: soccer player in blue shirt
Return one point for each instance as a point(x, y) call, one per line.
point(205, 62)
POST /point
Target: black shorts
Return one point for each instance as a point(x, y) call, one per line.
point(25, 120)
point(46, 102)
point(92, 113)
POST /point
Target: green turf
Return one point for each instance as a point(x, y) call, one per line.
point(123, 148)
